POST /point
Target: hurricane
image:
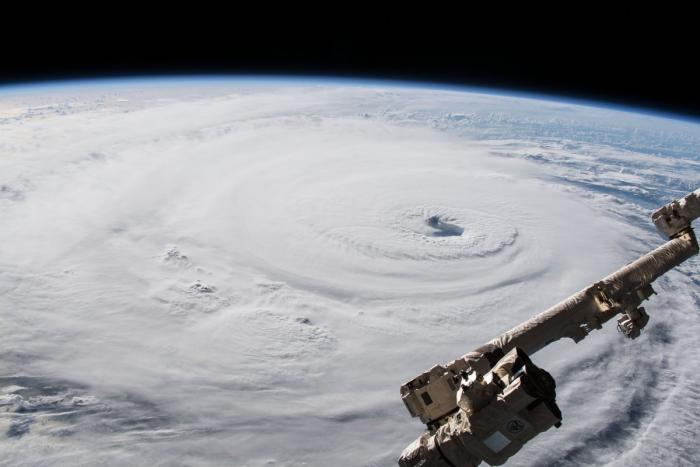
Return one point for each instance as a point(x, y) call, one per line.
point(242, 272)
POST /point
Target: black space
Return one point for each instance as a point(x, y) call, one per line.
point(650, 65)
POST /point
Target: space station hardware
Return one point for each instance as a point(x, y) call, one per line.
point(487, 404)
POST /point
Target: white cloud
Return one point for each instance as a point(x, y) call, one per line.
point(301, 215)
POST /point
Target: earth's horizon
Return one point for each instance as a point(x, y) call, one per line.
point(244, 271)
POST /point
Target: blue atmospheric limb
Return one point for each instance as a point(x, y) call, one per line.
point(158, 81)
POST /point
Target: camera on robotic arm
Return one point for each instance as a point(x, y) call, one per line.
point(482, 416)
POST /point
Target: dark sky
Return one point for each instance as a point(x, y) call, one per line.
point(652, 65)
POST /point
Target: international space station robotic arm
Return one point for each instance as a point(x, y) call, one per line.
point(485, 405)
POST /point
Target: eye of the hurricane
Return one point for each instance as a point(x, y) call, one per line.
point(442, 228)
point(416, 233)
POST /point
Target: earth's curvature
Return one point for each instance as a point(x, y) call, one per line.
point(243, 272)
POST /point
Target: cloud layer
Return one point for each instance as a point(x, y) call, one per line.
point(233, 274)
